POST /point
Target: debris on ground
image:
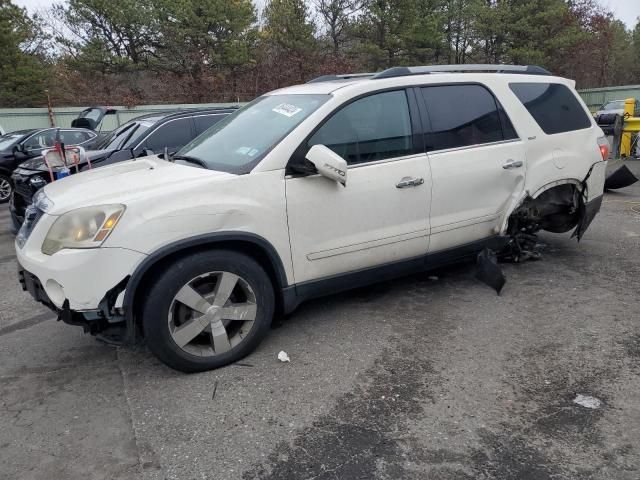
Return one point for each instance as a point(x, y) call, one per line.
point(283, 357)
point(489, 272)
point(620, 178)
point(587, 401)
point(215, 389)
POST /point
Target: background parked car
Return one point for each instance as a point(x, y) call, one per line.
point(92, 117)
point(617, 107)
point(139, 137)
point(17, 147)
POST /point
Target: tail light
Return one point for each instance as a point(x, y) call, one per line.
point(603, 145)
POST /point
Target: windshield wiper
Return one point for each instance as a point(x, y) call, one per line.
point(189, 159)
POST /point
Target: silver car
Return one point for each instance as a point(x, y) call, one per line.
point(617, 106)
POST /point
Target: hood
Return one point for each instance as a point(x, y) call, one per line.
point(37, 164)
point(125, 182)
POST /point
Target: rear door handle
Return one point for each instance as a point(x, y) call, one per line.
point(512, 164)
point(407, 182)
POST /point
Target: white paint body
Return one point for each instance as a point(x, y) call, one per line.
point(318, 227)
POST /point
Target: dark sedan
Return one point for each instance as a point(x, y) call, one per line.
point(145, 135)
point(21, 145)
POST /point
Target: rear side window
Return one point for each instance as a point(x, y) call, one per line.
point(203, 122)
point(174, 135)
point(373, 128)
point(553, 106)
point(70, 137)
point(464, 115)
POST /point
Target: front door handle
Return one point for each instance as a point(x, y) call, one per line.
point(407, 182)
point(512, 164)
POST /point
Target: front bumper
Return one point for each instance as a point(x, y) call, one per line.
point(80, 276)
point(93, 323)
point(31, 284)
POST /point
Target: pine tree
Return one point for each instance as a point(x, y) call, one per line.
point(23, 72)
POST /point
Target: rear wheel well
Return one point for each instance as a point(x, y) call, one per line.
point(556, 209)
point(241, 246)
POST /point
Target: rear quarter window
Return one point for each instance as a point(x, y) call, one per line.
point(553, 106)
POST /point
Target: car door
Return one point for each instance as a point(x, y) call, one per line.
point(39, 141)
point(477, 163)
point(381, 216)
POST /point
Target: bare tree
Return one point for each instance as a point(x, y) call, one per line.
point(336, 15)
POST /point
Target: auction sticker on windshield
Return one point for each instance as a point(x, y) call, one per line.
point(287, 109)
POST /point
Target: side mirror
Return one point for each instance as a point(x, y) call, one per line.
point(328, 163)
point(19, 153)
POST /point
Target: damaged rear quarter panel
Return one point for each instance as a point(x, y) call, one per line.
point(595, 182)
point(565, 158)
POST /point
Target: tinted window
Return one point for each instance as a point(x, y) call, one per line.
point(553, 106)
point(462, 115)
point(43, 139)
point(203, 122)
point(508, 132)
point(372, 128)
point(69, 137)
point(173, 135)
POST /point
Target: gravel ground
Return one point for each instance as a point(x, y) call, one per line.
point(428, 377)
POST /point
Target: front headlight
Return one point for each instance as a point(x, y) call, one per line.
point(37, 182)
point(85, 227)
point(41, 201)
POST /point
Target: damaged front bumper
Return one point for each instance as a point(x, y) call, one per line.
point(83, 287)
point(106, 323)
point(106, 318)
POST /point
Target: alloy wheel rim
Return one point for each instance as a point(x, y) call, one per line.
point(5, 189)
point(212, 313)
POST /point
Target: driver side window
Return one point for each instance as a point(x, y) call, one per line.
point(373, 128)
point(44, 139)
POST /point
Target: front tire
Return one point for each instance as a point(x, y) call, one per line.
point(6, 188)
point(207, 310)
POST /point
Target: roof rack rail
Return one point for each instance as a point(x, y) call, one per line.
point(345, 76)
point(404, 71)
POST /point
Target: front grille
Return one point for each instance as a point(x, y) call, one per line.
point(24, 189)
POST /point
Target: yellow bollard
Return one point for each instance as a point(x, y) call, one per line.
point(625, 141)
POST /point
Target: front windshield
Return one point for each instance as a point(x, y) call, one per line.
point(9, 140)
point(617, 105)
point(124, 136)
point(237, 143)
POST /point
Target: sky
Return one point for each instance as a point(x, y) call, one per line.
point(626, 10)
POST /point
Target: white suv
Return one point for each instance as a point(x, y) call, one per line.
point(308, 190)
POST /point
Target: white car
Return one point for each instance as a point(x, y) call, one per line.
point(309, 190)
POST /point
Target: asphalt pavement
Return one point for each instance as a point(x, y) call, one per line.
point(429, 377)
